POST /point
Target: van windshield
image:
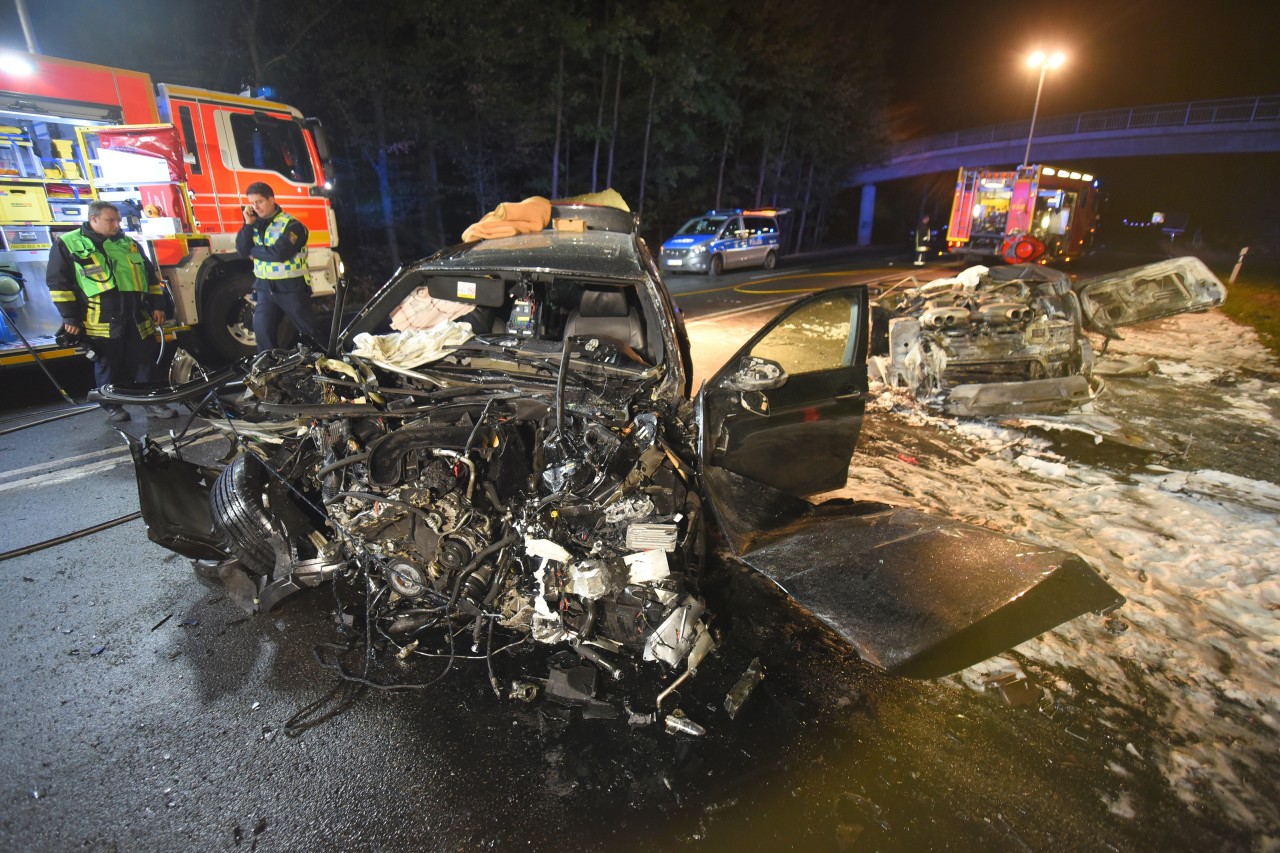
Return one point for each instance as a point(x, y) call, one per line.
point(702, 225)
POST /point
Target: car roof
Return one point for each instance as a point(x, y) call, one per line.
point(595, 253)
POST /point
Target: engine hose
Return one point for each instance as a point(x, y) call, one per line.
point(369, 496)
point(561, 375)
point(475, 564)
point(342, 463)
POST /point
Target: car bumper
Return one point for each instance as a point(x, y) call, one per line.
point(697, 263)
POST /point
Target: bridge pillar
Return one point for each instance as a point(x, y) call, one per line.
point(866, 214)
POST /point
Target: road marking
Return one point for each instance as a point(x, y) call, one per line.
point(115, 458)
point(62, 463)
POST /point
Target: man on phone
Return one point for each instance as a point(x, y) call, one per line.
point(277, 245)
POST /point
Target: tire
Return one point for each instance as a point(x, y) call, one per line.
point(716, 266)
point(771, 260)
point(238, 502)
point(226, 321)
point(239, 517)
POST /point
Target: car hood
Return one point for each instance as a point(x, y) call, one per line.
point(688, 241)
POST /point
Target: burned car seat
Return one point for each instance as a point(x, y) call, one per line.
point(606, 314)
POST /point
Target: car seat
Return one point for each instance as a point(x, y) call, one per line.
point(606, 314)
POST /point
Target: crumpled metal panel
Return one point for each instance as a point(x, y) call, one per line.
point(174, 498)
point(916, 594)
point(1037, 396)
point(1149, 292)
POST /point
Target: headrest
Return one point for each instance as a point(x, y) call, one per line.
point(603, 303)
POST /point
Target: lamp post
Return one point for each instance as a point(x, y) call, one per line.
point(1044, 63)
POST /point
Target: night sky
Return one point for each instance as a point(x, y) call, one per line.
point(952, 65)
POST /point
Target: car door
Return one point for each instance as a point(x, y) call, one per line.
point(1149, 292)
point(732, 243)
point(787, 409)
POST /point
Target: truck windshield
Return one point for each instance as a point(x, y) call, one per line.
point(702, 225)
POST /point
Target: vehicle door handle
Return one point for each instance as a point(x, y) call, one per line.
point(851, 394)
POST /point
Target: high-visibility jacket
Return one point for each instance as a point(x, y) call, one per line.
point(114, 271)
point(118, 265)
point(292, 268)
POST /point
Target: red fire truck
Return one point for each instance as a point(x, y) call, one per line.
point(176, 160)
point(1024, 215)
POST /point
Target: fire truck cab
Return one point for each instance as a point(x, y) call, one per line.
point(1024, 215)
point(176, 161)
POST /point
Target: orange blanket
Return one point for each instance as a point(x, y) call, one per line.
point(511, 218)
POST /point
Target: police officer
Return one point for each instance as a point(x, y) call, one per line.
point(106, 289)
point(277, 244)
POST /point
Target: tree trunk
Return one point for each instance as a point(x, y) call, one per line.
point(382, 167)
point(613, 133)
point(724, 155)
point(555, 156)
point(782, 159)
point(764, 165)
point(644, 156)
point(595, 155)
point(804, 213)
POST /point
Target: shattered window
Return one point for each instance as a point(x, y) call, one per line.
point(819, 336)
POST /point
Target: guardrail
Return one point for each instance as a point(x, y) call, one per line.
point(1265, 108)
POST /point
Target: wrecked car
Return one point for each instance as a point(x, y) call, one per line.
point(1012, 339)
point(501, 449)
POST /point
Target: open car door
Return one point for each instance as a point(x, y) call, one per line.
point(914, 593)
point(787, 409)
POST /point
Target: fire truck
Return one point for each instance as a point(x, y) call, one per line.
point(1024, 215)
point(176, 161)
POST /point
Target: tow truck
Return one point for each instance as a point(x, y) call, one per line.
point(1031, 214)
point(176, 161)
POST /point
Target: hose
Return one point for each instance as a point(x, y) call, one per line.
point(69, 537)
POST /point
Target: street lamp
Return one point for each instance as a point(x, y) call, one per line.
point(1044, 62)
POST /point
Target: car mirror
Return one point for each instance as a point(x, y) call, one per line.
point(757, 374)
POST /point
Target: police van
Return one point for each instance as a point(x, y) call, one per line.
point(724, 239)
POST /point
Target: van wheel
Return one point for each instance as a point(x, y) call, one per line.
point(717, 265)
point(771, 260)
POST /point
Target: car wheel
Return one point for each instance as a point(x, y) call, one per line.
point(226, 322)
point(770, 260)
point(716, 266)
point(238, 503)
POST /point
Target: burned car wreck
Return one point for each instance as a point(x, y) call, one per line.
point(501, 452)
point(1012, 339)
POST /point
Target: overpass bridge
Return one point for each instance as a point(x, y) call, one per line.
point(1226, 126)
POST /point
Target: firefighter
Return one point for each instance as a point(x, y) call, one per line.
point(107, 291)
point(277, 244)
point(924, 236)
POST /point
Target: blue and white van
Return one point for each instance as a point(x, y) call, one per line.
point(724, 239)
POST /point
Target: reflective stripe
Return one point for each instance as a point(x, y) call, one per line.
point(295, 267)
point(118, 265)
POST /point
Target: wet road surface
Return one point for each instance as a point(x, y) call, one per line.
point(144, 711)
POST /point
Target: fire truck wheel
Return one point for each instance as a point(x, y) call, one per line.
point(716, 266)
point(228, 317)
point(771, 260)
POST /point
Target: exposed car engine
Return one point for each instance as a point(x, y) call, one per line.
point(504, 510)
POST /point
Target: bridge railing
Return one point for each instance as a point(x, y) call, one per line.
point(1191, 113)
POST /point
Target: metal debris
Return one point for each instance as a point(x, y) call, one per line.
point(742, 690)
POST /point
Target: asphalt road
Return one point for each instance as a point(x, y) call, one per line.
point(143, 711)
